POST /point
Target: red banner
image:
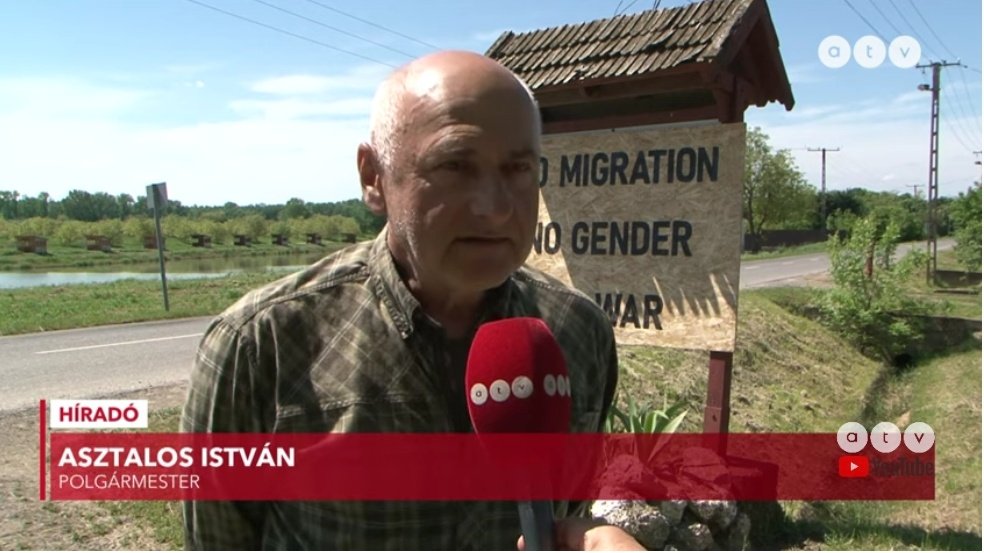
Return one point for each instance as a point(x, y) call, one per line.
point(118, 466)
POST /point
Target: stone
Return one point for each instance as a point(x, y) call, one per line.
point(673, 510)
point(715, 513)
point(694, 537)
point(644, 522)
point(737, 534)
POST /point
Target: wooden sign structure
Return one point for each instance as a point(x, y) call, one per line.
point(663, 93)
point(648, 223)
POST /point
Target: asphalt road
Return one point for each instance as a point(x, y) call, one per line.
point(91, 362)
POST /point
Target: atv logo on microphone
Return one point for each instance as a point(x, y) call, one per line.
point(885, 437)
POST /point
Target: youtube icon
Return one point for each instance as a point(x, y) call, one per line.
point(853, 466)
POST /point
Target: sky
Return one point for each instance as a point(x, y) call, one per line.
point(112, 95)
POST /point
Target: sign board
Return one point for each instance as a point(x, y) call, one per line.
point(648, 223)
point(157, 196)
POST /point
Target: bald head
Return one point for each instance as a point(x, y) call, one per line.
point(441, 78)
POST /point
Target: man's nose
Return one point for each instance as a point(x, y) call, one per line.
point(493, 200)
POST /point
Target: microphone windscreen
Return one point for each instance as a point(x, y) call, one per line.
point(516, 379)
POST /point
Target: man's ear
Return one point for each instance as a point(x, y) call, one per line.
point(371, 178)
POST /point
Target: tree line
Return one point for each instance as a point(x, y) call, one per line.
point(777, 196)
point(80, 213)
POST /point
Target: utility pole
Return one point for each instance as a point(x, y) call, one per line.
point(823, 182)
point(933, 186)
point(915, 189)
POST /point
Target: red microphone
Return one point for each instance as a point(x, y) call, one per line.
point(516, 381)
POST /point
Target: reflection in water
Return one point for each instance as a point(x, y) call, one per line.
point(176, 270)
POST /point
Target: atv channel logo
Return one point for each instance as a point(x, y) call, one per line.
point(885, 437)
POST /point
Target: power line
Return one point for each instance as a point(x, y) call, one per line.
point(881, 13)
point(964, 97)
point(912, 27)
point(626, 8)
point(373, 24)
point(958, 136)
point(931, 30)
point(336, 29)
point(975, 109)
point(855, 10)
point(289, 33)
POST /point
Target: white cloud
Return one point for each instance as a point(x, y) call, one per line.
point(364, 77)
point(293, 108)
point(71, 98)
point(804, 73)
point(61, 134)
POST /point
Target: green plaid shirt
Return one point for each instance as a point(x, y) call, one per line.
point(343, 346)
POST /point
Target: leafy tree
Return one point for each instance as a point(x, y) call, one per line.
point(281, 227)
point(252, 225)
point(138, 227)
point(868, 303)
point(8, 204)
point(178, 227)
point(774, 191)
point(38, 226)
point(110, 228)
point(966, 214)
point(295, 209)
point(125, 205)
point(71, 233)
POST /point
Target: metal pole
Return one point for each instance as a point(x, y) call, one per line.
point(160, 256)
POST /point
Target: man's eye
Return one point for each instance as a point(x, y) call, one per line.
point(452, 165)
point(519, 167)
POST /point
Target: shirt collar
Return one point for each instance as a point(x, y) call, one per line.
point(404, 308)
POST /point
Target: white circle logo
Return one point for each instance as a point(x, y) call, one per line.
point(499, 391)
point(479, 394)
point(869, 51)
point(904, 51)
point(852, 437)
point(919, 437)
point(522, 387)
point(885, 437)
point(550, 385)
point(561, 386)
point(834, 51)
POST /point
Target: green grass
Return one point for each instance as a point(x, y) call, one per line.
point(59, 307)
point(805, 249)
point(161, 519)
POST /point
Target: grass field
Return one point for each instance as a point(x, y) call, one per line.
point(58, 307)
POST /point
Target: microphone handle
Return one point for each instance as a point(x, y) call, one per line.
point(536, 520)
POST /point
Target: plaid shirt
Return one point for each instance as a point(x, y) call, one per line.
point(343, 346)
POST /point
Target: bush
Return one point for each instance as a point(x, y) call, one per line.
point(138, 227)
point(966, 214)
point(868, 304)
point(71, 233)
point(111, 228)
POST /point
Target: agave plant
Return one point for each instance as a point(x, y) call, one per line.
point(640, 419)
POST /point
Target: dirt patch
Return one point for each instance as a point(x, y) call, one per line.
point(28, 523)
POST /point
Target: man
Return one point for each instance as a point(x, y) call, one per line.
point(374, 338)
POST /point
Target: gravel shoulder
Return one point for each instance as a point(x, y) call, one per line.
point(28, 523)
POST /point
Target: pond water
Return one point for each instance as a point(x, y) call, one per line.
point(176, 270)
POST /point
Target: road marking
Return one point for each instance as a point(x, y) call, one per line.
point(119, 344)
point(752, 267)
point(816, 259)
point(787, 262)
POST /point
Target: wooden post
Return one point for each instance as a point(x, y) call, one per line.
point(717, 411)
